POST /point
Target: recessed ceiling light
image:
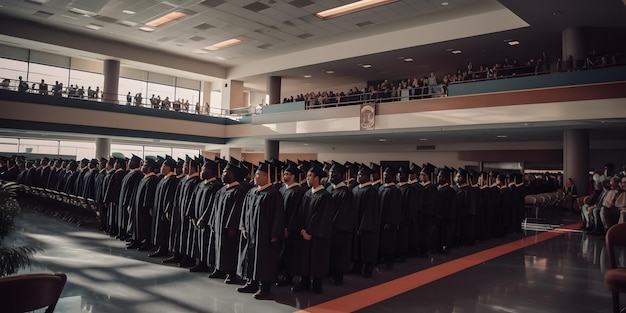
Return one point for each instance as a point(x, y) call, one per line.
point(350, 8)
point(129, 12)
point(502, 136)
point(449, 50)
point(444, 3)
point(513, 43)
point(408, 60)
point(382, 139)
point(220, 58)
point(200, 51)
point(307, 76)
point(210, 48)
point(423, 139)
point(330, 72)
point(146, 29)
point(167, 18)
point(306, 144)
point(223, 44)
point(456, 51)
point(128, 23)
point(94, 26)
point(367, 65)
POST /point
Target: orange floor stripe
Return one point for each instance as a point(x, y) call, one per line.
point(370, 296)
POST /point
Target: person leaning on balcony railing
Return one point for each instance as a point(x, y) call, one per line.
point(22, 86)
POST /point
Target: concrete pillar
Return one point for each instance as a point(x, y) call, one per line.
point(273, 88)
point(576, 158)
point(103, 148)
point(574, 43)
point(272, 149)
point(205, 102)
point(111, 71)
point(232, 95)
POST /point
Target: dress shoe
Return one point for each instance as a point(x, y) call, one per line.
point(158, 253)
point(133, 245)
point(300, 287)
point(217, 274)
point(230, 279)
point(249, 287)
point(262, 294)
point(200, 267)
point(173, 259)
point(186, 262)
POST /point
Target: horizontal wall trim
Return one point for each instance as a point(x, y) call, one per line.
point(107, 131)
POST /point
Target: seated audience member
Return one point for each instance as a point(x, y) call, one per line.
point(591, 209)
point(610, 212)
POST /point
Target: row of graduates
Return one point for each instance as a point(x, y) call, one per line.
point(206, 214)
point(62, 175)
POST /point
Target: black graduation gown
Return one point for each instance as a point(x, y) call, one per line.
point(390, 214)
point(344, 216)
point(506, 210)
point(89, 191)
point(414, 214)
point(80, 183)
point(493, 209)
point(204, 201)
point(128, 192)
point(44, 176)
point(446, 203)
point(224, 223)
point(406, 195)
point(140, 219)
point(263, 217)
point(163, 202)
point(365, 201)
point(186, 228)
point(292, 199)
point(429, 222)
point(466, 218)
point(112, 197)
point(59, 182)
point(315, 215)
point(70, 180)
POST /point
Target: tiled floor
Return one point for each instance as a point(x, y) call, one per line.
point(562, 274)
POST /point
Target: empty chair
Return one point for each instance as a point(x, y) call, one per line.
point(29, 292)
point(615, 277)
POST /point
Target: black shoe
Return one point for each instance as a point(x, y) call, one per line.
point(230, 279)
point(262, 294)
point(300, 287)
point(133, 245)
point(249, 287)
point(201, 267)
point(217, 274)
point(158, 253)
point(173, 259)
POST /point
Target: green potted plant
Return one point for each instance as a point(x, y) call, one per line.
point(12, 259)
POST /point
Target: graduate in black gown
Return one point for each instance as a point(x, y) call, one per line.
point(292, 193)
point(69, 180)
point(446, 210)
point(406, 206)
point(89, 184)
point(102, 183)
point(173, 212)
point(127, 197)
point(466, 200)
point(262, 227)
point(414, 211)
point(163, 200)
point(390, 217)
point(429, 221)
point(208, 239)
point(112, 195)
point(204, 200)
point(314, 222)
point(343, 223)
point(365, 244)
point(224, 223)
point(143, 206)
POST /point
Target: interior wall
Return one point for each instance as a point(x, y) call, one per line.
point(447, 158)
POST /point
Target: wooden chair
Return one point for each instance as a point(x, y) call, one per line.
point(615, 277)
point(22, 293)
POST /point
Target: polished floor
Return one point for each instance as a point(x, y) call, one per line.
point(557, 271)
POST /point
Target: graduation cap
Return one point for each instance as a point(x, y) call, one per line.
point(318, 171)
point(304, 166)
point(111, 161)
point(326, 167)
point(94, 162)
point(73, 165)
point(211, 164)
point(159, 160)
point(317, 163)
point(104, 160)
point(414, 168)
point(336, 167)
point(150, 162)
point(352, 169)
point(404, 170)
point(195, 163)
point(292, 168)
point(236, 170)
point(390, 170)
point(169, 162)
point(135, 159)
point(84, 162)
point(365, 169)
point(428, 169)
point(180, 163)
point(221, 165)
point(234, 161)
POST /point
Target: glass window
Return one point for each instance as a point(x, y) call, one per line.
point(13, 69)
point(38, 146)
point(127, 150)
point(163, 91)
point(50, 74)
point(182, 153)
point(86, 80)
point(156, 151)
point(8, 145)
point(80, 149)
point(190, 96)
point(131, 87)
